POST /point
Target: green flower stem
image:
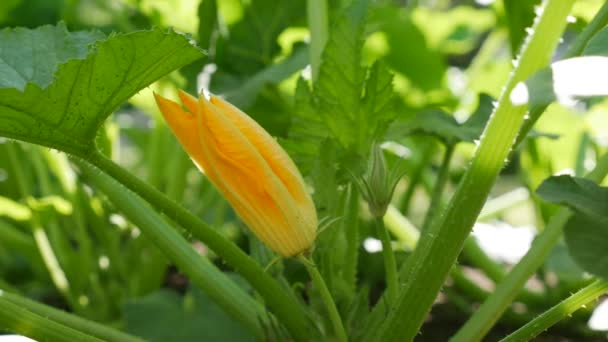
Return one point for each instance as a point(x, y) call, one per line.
point(85, 326)
point(390, 265)
point(490, 311)
point(200, 270)
point(597, 23)
point(427, 268)
point(442, 179)
point(415, 176)
point(287, 310)
point(328, 300)
point(406, 233)
point(351, 234)
point(559, 312)
point(18, 319)
point(318, 26)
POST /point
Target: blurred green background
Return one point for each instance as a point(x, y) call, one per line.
point(443, 54)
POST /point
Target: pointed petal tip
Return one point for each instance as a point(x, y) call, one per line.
point(189, 101)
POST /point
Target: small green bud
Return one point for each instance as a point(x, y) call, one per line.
point(378, 184)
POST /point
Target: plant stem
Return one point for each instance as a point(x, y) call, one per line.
point(351, 234)
point(416, 176)
point(328, 300)
point(440, 246)
point(200, 270)
point(490, 311)
point(442, 178)
point(18, 319)
point(559, 312)
point(597, 23)
point(390, 265)
point(318, 26)
point(406, 233)
point(75, 322)
point(287, 310)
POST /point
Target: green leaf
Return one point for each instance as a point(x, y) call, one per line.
point(444, 126)
point(561, 263)
point(587, 241)
point(598, 45)
point(307, 130)
point(207, 23)
point(166, 316)
point(32, 62)
point(586, 232)
point(582, 195)
point(412, 55)
point(245, 94)
point(341, 77)
point(252, 42)
point(520, 15)
point(67, 113)
point(377, 102)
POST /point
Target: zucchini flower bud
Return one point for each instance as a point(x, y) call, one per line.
point(249, 168)
point(378, 183)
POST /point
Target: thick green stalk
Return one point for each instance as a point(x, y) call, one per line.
point(200, 270)
point(318, 27)
point(490, 311)
point(559, 312)
point(328, 300)
point(390, 265)
point(599, 21)
point(75, 322)
point(427, 268)
point(18, 319)
point(287, 310)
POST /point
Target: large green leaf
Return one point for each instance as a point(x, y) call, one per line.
point(580, 194)
point(410, 54)
point(62, 105)
point(354, 102)
point(37, 59)
point(598, 45)
point(566, 79)
point(166, 316)
point(340, 83)
point(245, 94)
point(587, 230)
point(252, 43)
point(587, 241)
point(444, 126)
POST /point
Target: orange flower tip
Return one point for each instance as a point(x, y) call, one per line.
point(189, 101)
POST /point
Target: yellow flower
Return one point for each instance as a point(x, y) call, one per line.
point(249, 168)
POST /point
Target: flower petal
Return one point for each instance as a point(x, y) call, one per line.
point(183, 125)
point(249, 183)
point(274, 155)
